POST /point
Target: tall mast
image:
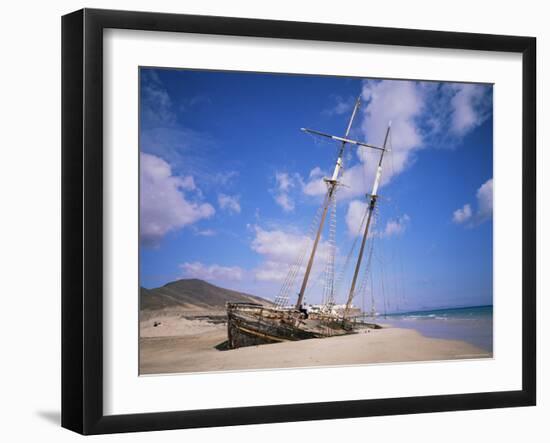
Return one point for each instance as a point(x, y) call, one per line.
point(372, 204)
point(332, 183)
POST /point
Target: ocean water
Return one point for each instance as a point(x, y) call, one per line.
point(473, 325)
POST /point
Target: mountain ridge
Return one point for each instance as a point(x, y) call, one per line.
point(193, 294)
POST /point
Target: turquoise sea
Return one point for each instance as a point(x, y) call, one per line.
point(473, 324)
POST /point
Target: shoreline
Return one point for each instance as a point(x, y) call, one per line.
point(181, 344)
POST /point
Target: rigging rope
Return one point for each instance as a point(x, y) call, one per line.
point(294, 269)
point(367, 270)
point(328, 293)
point(344, 268)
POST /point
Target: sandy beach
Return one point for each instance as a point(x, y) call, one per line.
point(186, 343)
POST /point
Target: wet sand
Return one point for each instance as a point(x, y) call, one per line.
point(185, 344)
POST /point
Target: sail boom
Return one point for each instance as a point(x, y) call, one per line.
point(342, 139)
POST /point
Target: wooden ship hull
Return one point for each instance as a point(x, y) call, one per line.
point(250, 324)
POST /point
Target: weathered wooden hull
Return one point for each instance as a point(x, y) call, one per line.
point(250, 325)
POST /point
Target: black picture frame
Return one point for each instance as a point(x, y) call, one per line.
point(82, 218)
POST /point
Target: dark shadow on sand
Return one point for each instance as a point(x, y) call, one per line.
point(223, 346)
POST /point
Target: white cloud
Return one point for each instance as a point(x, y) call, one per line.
point(284, 184)
point(396, 226)
point(354, 180)
point(470, 108)
point(400, 102)
point(205, 232)
point(229, 203)
point(156, 104)
point(271, 271)
point(285, 202)
point(341, 106)
point(485, 200)
point(354, 217)
point(421, 113)
point(484, 210)
point(224, 178)
point(316, 185)
point(164, 206)
point(316, 172)
point(281, 249)
point(278, 245)
point(284, 181)
point(462, 214)
point(212, 272)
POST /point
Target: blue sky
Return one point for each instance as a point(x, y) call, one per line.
point(229, 185)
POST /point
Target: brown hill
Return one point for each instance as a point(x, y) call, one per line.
point(193, 294)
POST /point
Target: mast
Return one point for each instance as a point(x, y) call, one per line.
point(332, 183)
point(372, 204)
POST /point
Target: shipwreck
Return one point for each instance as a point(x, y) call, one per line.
point(255, 324)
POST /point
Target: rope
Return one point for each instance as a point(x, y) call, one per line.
point(344, 268)
point(328, 293)
point(294, 269)
point(367, 271)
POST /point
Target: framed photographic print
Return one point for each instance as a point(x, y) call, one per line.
point(261, 217)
